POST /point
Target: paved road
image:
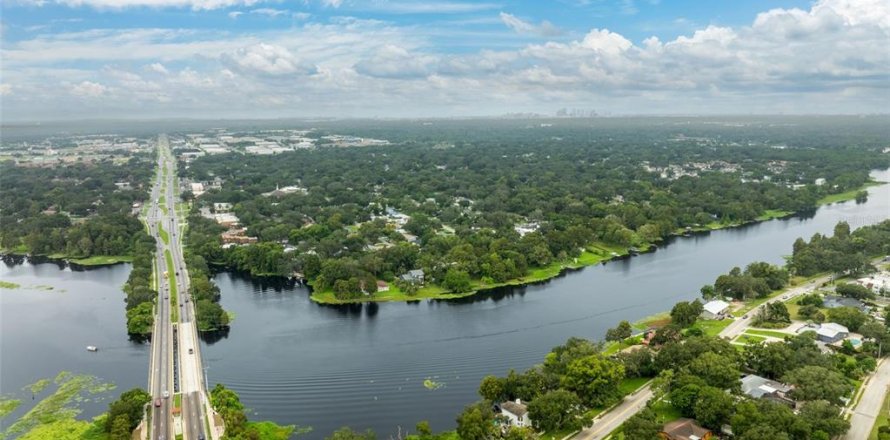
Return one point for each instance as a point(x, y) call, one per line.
point(738, 326)
point(863, 417)
point(161, 378)
point(611, 420)
point(180, 371)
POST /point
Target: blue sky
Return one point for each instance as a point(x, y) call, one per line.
point(269, 58)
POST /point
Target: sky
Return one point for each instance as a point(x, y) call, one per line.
point(207, 59)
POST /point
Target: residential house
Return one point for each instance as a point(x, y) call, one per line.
point(715, 309)
point(828, 332)
point(685, 429)
point(413, 276)
point(516, 413)
point(762, 388)
point(382, 286)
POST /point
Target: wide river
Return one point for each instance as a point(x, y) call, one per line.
point(296, 362)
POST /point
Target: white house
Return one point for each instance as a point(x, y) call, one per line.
point(715, 309)
point(516, 413)
point(831, 332)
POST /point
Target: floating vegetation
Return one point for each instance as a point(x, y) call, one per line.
point(432, 384)
point(8, 285)
point(58, 409)
point(8, 405)
point(37, 387)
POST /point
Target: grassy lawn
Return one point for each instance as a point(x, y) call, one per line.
point(773, 334)
point(629, 385)
point(177, 400)
point(556, 435)
point(171, 277)
point(770, 214)
point(393, 294)
point(883, 418)
point(8, 285)
point(844, 196)
point(712, 327)
point(99, 260)
point(163, 233)
point(656, 320)
point(749, 339)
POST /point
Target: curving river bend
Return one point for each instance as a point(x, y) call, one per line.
point(296, 362)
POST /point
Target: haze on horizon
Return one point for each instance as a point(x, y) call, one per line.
point(204, 59)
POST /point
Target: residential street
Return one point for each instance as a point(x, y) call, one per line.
point(869, 406)
point(611, 420)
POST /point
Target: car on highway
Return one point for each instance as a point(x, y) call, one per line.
point(157, 402)
point(166, 394)
point(745, 317)
point(191, 351)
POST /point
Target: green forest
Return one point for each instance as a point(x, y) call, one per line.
point(585, 190)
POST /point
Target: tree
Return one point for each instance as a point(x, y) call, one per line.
point(127, 407)
point(423, 429)
point(713, 407)
point(346, 433)
point(594, 379)
point(637, 363)
point(619, 333)
point(849, 317)
point(854, 291)
point(823, 416)
point(684, 398)
point(492, 389)
point(476, 422)
point(457, 281)
point(686, 313)
point(555, 410)
point(817, 383)
point(771, 360)
point(716, 370)
point(774, 312)
point(764, 433)
point(708, 291)
point(120, 428)
point(642, 426)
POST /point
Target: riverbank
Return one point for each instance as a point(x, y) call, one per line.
point(95, 260)
point(596, 253)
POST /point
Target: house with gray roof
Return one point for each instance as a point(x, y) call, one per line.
point(762, 388)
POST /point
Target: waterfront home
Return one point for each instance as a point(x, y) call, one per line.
point(382, 286)
point(762, 388)
point(516, 413)
point(716, 309)
point(413, 276)
point(685, 429)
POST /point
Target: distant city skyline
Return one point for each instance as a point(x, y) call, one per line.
point(205, 59)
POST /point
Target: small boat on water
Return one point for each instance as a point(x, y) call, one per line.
point(92, 348)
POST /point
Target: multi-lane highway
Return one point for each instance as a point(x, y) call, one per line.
point(176, 366)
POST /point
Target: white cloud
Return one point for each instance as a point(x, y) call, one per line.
point(266, 59)
point(828, 58)
point(235, 14)
point(429, 7)
point(332, 3)
point(88, 89)
point(269, 12)
point(158, 68)
point(545, 29)
point(122, 4)
point(5, 89)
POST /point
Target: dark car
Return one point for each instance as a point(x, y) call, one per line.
point(157, 402)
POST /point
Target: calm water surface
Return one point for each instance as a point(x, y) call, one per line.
point(296, 362)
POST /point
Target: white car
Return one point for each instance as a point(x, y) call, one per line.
point(166, 394)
